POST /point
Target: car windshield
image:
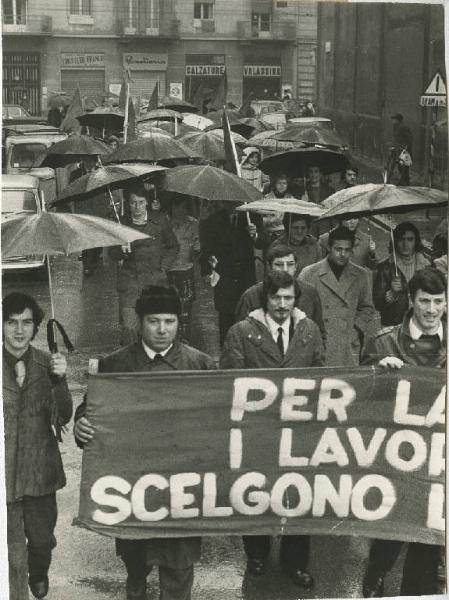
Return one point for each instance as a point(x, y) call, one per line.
point(11, 112)
point(26, 156)
point(18, 201)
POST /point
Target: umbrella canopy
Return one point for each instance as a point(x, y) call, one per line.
point(371, 198)
point(238, 139)
point(285, 205)
point(60, 100)
point(107, 177)
point(216, 116)
point(147, 130)
point(206, 143)
point(311, 136)
point(256, 124)
point(103, 118)
point(208, 183)
point(241, 128)
point(296, 162)
point(151, 149)
point(196, 120)
point(162, 114)
point(265, 139)
point(72, 149)
point(177, 104)
point(170, 127)
point(62, 233)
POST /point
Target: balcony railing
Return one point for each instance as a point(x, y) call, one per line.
point(149, 27)
point(38, 25)
point(278, 31)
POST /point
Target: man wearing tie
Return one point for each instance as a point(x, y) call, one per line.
point(278, 335)
point(158, 310)
point(35, 398)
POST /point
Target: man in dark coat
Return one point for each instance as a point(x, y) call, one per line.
point(158, 310)
point(227, 254)
point(35, 399)
point(420, 341)
point(403, 140)
point(278, 335)
point(282, 258)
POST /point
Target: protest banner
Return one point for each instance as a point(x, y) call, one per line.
point(341, 451)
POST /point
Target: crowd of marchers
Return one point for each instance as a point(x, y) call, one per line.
point(318, 300)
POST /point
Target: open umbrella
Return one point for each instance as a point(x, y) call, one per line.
point(292, 206)
point(208, 183)
point(195, 120)
point(73, 149)
point(161, 114)
point(177, 129)
point(238, 139)
point(371, 198)
point(296, 162)
point(155, 148)
point(177, 104)
point(206, 143)
point(103, 118)
point(148, 128)
point(256, 124)
point(61, 234)
point(311, 136)
point(59, 100)
point(105, 179)
point(265, 139)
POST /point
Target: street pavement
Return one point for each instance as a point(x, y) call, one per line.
point(85, 566)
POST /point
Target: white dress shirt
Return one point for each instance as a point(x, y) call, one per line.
point(273, 328)
point(416, 332)
point(151, 353)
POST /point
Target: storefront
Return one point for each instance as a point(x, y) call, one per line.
point(85, 70)
point(263, 80)
point(203, 75)
point(21, 80)
point(146, 70)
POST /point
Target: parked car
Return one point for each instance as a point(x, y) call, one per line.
point(14, 113)
point(263, 107)
point(277, 119)
point(21, 194)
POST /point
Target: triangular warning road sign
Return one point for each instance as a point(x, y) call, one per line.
point(437, 86)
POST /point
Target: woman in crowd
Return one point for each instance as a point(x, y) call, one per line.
point(390, 288)
point(250, 168)
point(143, 262)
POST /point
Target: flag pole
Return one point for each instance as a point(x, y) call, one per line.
point(125, 122)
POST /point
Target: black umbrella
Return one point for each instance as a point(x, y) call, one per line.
point(73, 149)
point(177, 104)
point(103, 118)
point(296, 162)
point(151, 149)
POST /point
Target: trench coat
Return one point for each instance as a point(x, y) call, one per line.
point(149, 259)
point(347, 307)
point(33, 464)
point(176, 553)
point(249, 344)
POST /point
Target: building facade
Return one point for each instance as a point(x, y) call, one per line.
point(376, 60)
point(185, 46)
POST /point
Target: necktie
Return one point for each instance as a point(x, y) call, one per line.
point(280, 341)
point(20, 371)
point(157, 358)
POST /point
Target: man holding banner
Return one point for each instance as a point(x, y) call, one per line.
point(158, 310)
point(278, 335)
point(419, 341)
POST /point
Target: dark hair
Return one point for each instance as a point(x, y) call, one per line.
point(349, 168)
point(429, 280)
point(290, 218)
point(340, 233)
point(278, 251)
point(16, 302)
point(399, 231)
point(276, 280)
point(276, 176)
point(136, 187)
point(156, 299)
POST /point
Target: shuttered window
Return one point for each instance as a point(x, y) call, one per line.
point(91, 83)
point(143, 83)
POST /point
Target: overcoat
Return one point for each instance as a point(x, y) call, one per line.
point(33, 464)
point(347, 309)
point(176, 553)
point(249, 344)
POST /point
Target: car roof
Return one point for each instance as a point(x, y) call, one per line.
point(43, 139)
point(309, 119)
point(23, 128)
point(12, 182)
point(266, 101)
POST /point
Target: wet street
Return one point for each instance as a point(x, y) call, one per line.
point(85, 566)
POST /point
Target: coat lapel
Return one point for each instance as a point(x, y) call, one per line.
point(339, 287)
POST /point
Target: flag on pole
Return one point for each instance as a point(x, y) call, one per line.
point(230, 150)
point(154, 100)
point(219, 98)
point(197, 99)
point(124, 90)
point(70, 123)
point(131, 132)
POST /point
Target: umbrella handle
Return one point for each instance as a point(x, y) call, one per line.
point(393, 248)
point(112, 203)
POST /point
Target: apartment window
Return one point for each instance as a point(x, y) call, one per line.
point(14, 12)
point(203, 10)
point(261, 22)
point(81, 7)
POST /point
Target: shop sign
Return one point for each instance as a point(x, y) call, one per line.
point(176, 90)
point(84, 60)
point(144, 61)
point(261, 71)
point(207, 70)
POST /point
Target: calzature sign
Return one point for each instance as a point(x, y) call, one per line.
point(207, 70)
point(87, 60)
point(261, 71)
point(332, 451)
